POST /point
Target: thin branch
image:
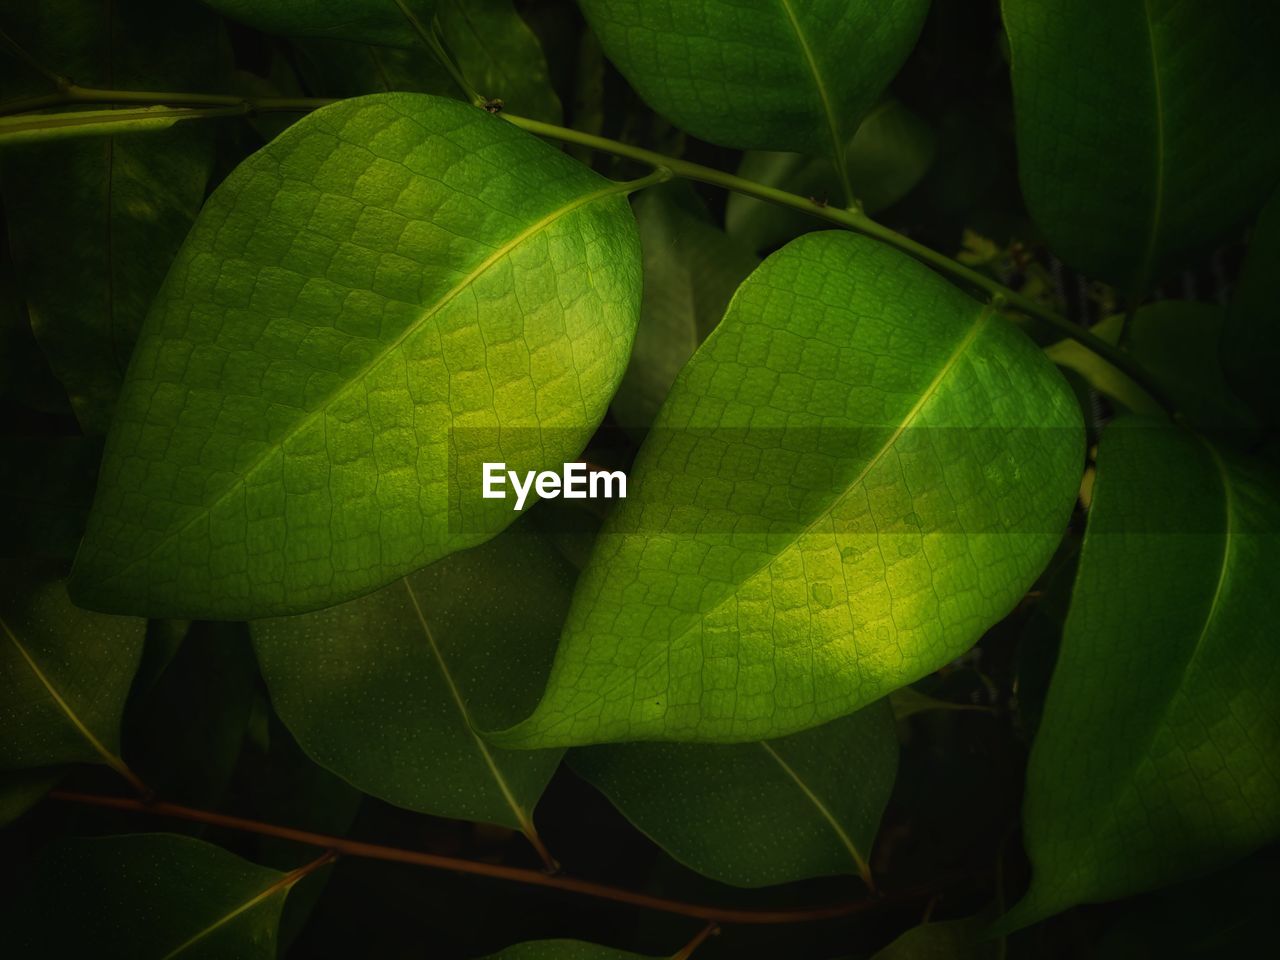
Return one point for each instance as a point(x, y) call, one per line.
point(860, 223)
point(854, 220)
point(537, 878)
point(686, 951)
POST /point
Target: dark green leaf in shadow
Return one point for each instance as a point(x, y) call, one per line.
point(94, 224)
point(762, 813)
point(1144, 152)
point(944, 940)
point(887, 156)
point(20, 790)
point(64, 675)
point(1177, 342)
point(388, 691)
point(1158, 755)
point(389, 22)
point(148, 897)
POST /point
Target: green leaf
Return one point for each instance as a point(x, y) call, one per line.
point(364, 21)
point(64, 675)
point(1170, 642)
point(43, 127)
point(395, 290)
point(887, 156)
point(857, 474)
point(908, 701)
point(774, 76)
point(500, 56)
point(20, 790)
point(94, 224)
point(690, 271)
point(945, 940)
point(562, 950)
point(492, 46)
point(1145, 152)
point(762, 813)
point(388, 690)
point(148, 895)
point(1251, 337)
point(1177, 343)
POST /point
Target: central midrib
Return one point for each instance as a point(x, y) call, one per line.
point(359, 376)
point(833, 128)
point(521, 816)
point(72, 717)
point(929, 392)
point(1157, 207)
point(864, 870)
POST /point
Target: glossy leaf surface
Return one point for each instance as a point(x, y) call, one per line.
point(393, 291)
point(1170, 639)
point(887, 156)
point(148, 895)
point(691, 269)
point(762, 813)
point(387, 691)
point(792, 75)
point(127, 201)
point(64, 675)
point(857, 473)
point(1149, 148)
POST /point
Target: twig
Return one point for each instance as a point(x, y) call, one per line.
point(537, 878)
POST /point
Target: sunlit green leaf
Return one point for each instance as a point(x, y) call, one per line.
point(790, 75)
point(387, 691)
point(1251, 337)
point(147, 895)
point(690, 271)
point(94, 224)
point(857, 473)
point(887, 156)
point(64, 674)
point(1157, 754)
point(395, 290)
point(756, 814)
point(1143, 152)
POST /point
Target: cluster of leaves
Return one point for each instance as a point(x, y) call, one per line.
point(278, 279)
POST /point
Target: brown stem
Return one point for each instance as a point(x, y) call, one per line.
point(537, 878)
point(686, 951)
